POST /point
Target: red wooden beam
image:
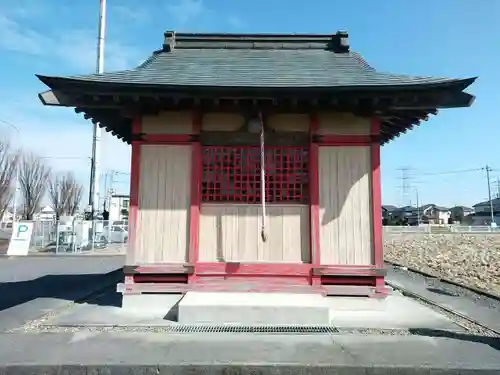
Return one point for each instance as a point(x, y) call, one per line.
point(172, 139)
point(227, 286)
point(349, 270)
point(159, 268)
point(134, 186)
point(252, 269)
point(194, 209)
point(344, 140)
point(314, 221)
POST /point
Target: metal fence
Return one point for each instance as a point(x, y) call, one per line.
point(437, 229)
point(79, 236)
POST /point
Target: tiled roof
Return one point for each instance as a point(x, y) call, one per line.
point(257, 68)
point(226, 60)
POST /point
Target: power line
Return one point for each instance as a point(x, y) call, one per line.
point(10, 124)
point(460, 171)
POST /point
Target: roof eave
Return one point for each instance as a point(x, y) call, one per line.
point(55, 98)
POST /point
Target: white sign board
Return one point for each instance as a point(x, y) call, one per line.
point(20, 239)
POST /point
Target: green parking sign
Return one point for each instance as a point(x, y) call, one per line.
point(20, 238)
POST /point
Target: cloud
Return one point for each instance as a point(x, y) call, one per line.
point(76, 47)
point(14, 38)
point(185, 11)
point(136, 14)
point(23, 8)
point(235, 21)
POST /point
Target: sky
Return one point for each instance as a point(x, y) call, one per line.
point(440, 161)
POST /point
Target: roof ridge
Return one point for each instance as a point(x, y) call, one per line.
point(337, 42)
point(148, 61)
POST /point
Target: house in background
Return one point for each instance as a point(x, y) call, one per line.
point(486, 206)
point(7, 219)
point(119, 207)
point(482, 213)
point(45, 214)
point(434, 214)
point(426, 214)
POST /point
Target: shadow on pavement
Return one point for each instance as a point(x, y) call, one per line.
point(494, 342)
point(110, 298)
point(442, 292)
point(65, 287)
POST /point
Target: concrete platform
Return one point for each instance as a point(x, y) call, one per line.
point(152, 304)
point(253, 308)
point(345, 313)
point(395, 312)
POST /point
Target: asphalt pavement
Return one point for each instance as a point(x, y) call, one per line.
point(226, 354)
point(31, 286)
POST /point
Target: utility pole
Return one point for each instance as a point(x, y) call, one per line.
point(405, 186)
point(418, 208)
point(96, 139)
point(492, 215)
point(105, 191)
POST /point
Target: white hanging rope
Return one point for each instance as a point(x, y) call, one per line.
point(262, 179)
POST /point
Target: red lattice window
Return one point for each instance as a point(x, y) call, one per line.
point(232, 174)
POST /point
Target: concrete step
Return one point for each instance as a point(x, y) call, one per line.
point(253, 308)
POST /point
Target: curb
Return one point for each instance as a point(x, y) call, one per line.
point(238, 369)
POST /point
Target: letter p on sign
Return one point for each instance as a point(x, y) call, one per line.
point(21, 228)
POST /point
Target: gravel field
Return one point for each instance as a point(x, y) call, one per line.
point(469, 259)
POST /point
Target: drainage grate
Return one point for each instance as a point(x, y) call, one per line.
point(229, 328)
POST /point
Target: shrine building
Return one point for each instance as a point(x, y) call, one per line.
point(255, 160)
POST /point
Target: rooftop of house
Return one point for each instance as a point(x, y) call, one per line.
point(262, 68)
point(120, 196)
point(495, 201)
point(413, 208)
point(389, 207)
point(463, 208)
point(432, 205)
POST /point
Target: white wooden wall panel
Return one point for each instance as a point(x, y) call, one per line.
point(164, 199)
point(231, 232)
point(344, 200)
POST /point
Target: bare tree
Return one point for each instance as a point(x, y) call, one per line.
point(33, 178)
point(65, 194)
point(74, 199)
point(8, 163)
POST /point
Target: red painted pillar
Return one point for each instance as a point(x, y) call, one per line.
point(314, 199)
point(194, 209)
point(134, 187)
point(376, 199)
